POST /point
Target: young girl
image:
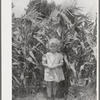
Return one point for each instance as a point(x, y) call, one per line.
point(53, 61)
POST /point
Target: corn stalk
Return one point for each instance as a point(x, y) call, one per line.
point(31, 33)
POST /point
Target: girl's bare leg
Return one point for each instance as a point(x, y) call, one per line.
point(49, 89)
point(54, 88)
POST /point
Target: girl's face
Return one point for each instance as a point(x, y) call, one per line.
point(53, 48)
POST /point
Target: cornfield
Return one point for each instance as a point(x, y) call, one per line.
point(78, 35)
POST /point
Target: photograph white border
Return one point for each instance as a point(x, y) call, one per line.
point(6, 50)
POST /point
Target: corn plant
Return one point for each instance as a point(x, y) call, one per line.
point(41, 22)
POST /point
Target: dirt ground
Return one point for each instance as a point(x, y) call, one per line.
point(40, 96)
point(84, 93)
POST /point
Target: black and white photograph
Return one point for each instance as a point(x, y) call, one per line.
point(54, 49)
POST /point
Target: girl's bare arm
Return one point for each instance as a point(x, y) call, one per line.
point(58, 65)
point(45, 64)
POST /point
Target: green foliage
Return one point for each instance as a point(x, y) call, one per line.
point(41, 22)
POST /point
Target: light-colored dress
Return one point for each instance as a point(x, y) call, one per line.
point(53, 74)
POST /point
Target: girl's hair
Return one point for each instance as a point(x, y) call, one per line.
point(54, 41)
